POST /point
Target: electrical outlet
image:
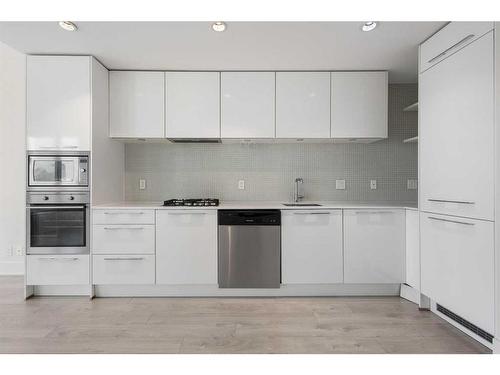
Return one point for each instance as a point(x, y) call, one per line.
point(412, 184)
point(142, 184)
point(19, 251)
point(340, 184)
point(241, 184)
point(373, 184)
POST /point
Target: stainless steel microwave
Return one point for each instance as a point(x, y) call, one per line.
point(61, 171)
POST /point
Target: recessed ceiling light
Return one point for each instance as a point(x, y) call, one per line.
point(67, 25)
point(369, 26)
point(219, 26)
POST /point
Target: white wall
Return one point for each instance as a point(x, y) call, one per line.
point(12, 159)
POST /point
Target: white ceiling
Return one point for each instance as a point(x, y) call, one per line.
point(391, 46)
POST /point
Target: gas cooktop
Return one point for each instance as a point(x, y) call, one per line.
point(201, 202)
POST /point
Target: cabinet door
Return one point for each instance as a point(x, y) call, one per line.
point(247, 104)
point(312, 247)
point(192, 105)
point(412, 258)
point(374, 246)
point(58, 103)
point(186, 247)
point(302, 105)
point(457, 133)
point(359, 104)
point(136, 104)
point(458, 266)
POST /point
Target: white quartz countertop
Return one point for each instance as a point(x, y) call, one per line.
point(253, 205)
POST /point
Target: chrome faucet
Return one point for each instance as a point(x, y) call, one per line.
point(298, 195)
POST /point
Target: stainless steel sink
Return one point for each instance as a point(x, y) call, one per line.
point(301, 204)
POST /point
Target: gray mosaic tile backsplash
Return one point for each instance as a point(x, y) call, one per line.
point(269, 170)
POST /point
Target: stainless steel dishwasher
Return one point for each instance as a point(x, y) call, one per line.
point(249, 248)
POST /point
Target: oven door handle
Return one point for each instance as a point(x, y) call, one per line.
point(52, 207)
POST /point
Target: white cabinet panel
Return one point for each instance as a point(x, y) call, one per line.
point(136, 104)
point(124, 216)
point(58, 98)
point(458, 266)
point(123, 269)
point(457, 133)
point(186, 247)
point(192, 105)
point(302, 105)
point(123, 239)
point(374, 242)
point(412, 258)
point(312, 247)
point(449, 40)
point(359, 104)
point(247, 104)
point(57, 270)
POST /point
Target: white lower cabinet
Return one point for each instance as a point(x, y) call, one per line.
point(123, 239)
point(311, 247)
point(374, 245)
point(412, 258)
point(57, 270)
point(457, 257)
point(186, 246)
point(124, 269)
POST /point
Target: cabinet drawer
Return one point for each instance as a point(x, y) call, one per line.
point(128, 216)
point(449, 40)
point(124, 269)
point(458, 266)
point(123, 239)
point(57, 270)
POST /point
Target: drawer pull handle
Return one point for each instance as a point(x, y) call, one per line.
point(53, 258)
point(123, 258)
point(123, 228)
point(452, 47)
point(450, 201)
point(187, 213)
point(311, 213)
point(56, 147)
point(123, 213)
point(450, 221)
point(374, 212)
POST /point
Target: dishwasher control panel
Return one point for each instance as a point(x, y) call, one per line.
point(249, 217)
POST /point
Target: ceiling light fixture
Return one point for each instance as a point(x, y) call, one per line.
point(68, 25)
point(219, 26)
point(369, 26)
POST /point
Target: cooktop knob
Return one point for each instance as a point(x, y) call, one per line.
point(71, 198)
point(45, 198)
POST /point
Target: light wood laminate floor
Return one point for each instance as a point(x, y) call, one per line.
point(221, 325)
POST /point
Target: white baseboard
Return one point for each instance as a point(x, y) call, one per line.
point(410, 294)
point(297, 290)
point(12, 267)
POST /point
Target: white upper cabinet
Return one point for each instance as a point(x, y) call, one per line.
point(58, 113)
point(247, 104)
point(192, 105)
point(311, 251)
point(359, 105)
point(374, 245)
point(449, 40)
point(137, 103)
point(456, 109)
point(302, 105)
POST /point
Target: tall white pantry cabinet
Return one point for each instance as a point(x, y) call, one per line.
point(459, 172)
